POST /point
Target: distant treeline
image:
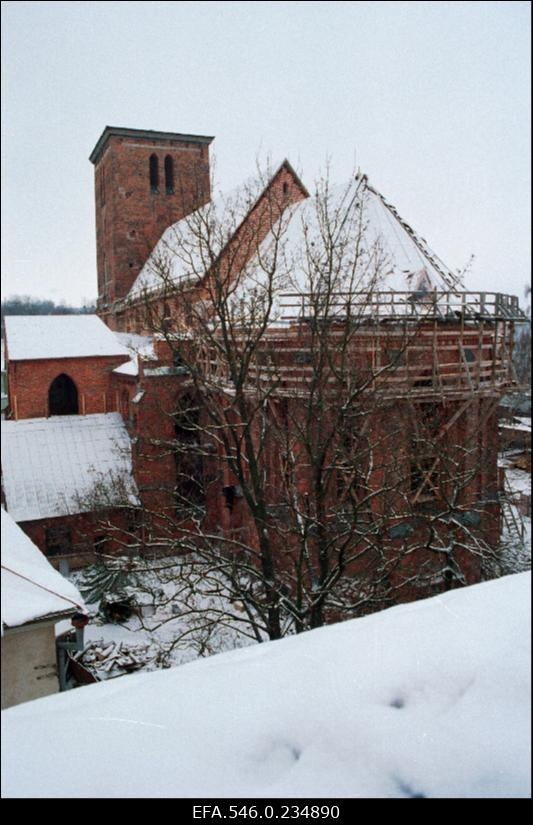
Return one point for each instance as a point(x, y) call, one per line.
point(26, 305)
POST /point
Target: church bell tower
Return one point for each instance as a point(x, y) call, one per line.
point(144, 182)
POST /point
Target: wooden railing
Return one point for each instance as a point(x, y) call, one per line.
point(416, 306)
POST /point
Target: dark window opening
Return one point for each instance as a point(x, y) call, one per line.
point(285, 189)
point(169, 175)
point(133, 519)
point(190, 486)
point(396, 357)
point(58, 541)
point(154, 174)
point(63, 396)
point(100, 545)
point(231, 493)
point(166, 319)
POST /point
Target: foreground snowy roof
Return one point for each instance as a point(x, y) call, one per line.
point(51, 465)
point(59, 336)
point(426, 699)
point(31, 588)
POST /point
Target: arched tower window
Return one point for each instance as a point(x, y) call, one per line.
point(154, 173)
point(62, 396)
point(169, 175)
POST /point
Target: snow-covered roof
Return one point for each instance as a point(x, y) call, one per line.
point(390, 255)
point(429, 699)
point(65, 464)
point(182, 252)
point(138, 345)
point(31, 588)
point(32, 337)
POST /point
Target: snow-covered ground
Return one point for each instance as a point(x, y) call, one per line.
point(184, 618)
point(426, 699)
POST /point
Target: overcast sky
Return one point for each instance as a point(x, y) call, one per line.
point(430, 99)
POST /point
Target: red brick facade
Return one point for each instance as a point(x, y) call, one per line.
point(144, 182)
point(29, 384)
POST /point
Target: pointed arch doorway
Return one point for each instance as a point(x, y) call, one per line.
point(63, 396)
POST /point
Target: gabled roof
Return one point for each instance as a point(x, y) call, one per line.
point(31, 588)
point(369, 232)
point(65, 464)
point(346, 241)
point(30, 337)
point(390, 254)
point(179, 256)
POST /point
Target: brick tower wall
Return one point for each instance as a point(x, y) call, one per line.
point(131, 213)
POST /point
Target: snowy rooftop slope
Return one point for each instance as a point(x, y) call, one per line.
point(187, 249)
point(179, 255)
point(49, 464)
point(138, 345)
point(372, 250)
point(59, 336)
point(426, 699)
point(31, 588)
point(390, 254)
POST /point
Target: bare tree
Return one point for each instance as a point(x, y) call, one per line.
point(308, 400)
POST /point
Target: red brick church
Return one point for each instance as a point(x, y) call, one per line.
point(270, 371)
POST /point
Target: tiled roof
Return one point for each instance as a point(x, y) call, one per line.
point(65, 464)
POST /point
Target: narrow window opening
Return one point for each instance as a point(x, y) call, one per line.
point(154, 174)
point(100, 545)
point(58, 541)
point(166, 319)
point(190, 489)
point(285, 189)
point(169, 175)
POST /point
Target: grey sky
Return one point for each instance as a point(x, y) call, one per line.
point(430, 99)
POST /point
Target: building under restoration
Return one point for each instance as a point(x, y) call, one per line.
point(306, 387)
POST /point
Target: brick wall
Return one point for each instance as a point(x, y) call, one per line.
point(85, 531)
point(29, 383)
point(130, 216)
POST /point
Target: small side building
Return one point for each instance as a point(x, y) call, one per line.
point(34, 598)
point(68, 482)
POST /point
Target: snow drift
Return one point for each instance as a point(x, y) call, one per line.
point(428, 699)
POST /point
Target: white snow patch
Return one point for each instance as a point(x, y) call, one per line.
point(31, 588)
point(50, 465)
point(427, 699)
point(32, 337)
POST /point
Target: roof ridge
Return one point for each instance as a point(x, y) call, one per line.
point(449, 277)
point(53, 592)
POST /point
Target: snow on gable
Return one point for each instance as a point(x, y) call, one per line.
point(182, 254)
point(32, 337)
point(373, 248)
point(189, 247)
point(391, 255)
point(65, 464)
point(31, 588)
point(428, 699)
